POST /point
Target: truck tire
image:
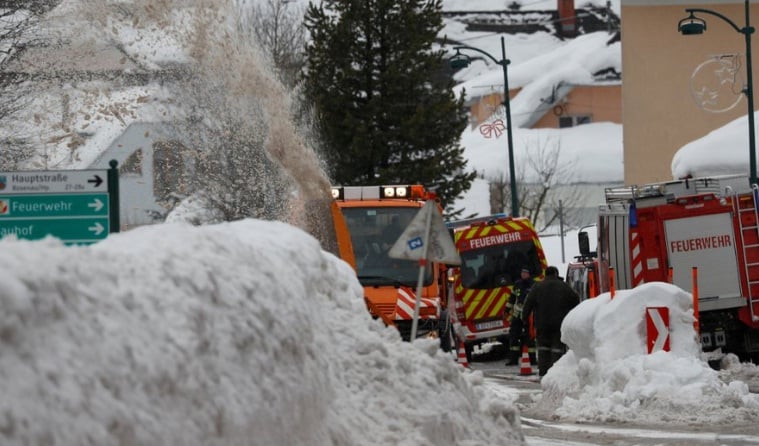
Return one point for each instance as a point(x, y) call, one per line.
point(468, 348)
point(445, 333)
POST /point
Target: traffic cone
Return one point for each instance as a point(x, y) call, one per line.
point(462, 355)
point(524, 364)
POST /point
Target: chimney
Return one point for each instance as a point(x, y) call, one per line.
point(567, 24)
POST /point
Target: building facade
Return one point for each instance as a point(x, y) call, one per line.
point(678, 88)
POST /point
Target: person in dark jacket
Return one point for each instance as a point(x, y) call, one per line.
point(519, 333)
point(551, 300)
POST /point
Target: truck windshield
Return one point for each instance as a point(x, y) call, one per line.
point(373, 232)
point(498, 266)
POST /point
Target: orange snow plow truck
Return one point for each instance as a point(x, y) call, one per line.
point(493, 250)
point(661, 231)
point(368, 222)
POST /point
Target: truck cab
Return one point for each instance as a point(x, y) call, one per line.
point(493, 250)
point(582, 271)
point(374, 218)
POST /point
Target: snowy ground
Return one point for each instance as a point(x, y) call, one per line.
point(239, 333)
point(173, 334)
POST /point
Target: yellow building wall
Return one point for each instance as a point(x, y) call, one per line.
point(602, 102)
point(659, 112)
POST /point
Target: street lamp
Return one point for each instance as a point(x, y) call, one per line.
point(459, 60)
point(696, 25)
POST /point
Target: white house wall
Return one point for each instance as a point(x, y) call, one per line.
point(138, 204)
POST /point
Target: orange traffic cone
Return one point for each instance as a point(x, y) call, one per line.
point(524, 364)
point(462, 355)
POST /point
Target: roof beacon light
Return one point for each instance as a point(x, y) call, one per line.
point(417, 192)
point(396, 191)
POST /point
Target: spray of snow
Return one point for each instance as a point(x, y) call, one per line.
point(181, 62)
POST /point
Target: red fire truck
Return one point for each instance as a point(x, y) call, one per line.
point(582, 271)
point(493, 250)
point(661, 231)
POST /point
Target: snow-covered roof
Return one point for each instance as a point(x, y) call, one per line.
point(574, 62)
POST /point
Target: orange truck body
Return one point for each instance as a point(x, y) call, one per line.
point(363, 216)
point(493, 250)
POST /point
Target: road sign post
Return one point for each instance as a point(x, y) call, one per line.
point(113, 193)
point(76, 206)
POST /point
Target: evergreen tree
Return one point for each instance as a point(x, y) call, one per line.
point(386, 110)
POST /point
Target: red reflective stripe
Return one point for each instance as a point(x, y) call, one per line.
point(636, 254)
point(404, 304)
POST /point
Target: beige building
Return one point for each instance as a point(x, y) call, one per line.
point(665, 73)
point(582, 104)
point(585, 103)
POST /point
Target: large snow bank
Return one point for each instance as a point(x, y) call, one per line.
point(237, 333)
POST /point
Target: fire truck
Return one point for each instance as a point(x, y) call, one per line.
point(368, 222)
point(662, 231)
point(493, 250)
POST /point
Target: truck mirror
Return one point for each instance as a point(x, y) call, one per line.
point(584, 243)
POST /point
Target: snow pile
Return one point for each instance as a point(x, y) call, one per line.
point(701, 158)
point(607, 374)
point(224, 334)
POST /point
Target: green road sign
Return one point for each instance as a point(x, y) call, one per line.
point(72, 205)
point(69, 230)
point(76, 206)
point(51, 182)
point(73, 218)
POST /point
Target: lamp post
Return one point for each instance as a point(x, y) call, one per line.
point(459, 60)
point(696, 25)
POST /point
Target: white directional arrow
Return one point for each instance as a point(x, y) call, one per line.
point(97, 228)
point(662, 331)
point(96, 205)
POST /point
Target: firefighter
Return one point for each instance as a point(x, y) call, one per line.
point(519, 333)
point(550, 300)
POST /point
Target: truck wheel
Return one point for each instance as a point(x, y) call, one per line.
point(468, 348)
point(445, 333)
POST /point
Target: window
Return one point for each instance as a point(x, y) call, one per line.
point(498, 266)
point(574, 121)
point(372, 235)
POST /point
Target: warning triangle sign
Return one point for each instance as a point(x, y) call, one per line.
point(426, 237)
